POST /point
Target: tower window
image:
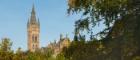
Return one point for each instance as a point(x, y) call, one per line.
point(35, 38)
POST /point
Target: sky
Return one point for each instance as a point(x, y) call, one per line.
point(52, 14)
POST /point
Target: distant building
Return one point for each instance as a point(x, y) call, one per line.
point(33, 30)
point(57, 47)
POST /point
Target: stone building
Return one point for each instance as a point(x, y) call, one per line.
point(33, 30)
point(57, 47)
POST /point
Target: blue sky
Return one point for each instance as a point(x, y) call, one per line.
point(52, 14)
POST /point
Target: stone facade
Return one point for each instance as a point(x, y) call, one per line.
point(57, 47)
point(33, 30)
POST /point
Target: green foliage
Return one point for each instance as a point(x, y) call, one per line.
point(96, 11)
point(7, 54)
point(60, 57)
point(136, 58)
point(107, 9)
point(120, 37)
point(5, 49)
point(6, 45)
point(101, 50)
point(84, 51)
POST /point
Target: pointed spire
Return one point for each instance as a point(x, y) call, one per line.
point(33, 9)
point(61, 36)
point(33, 16)
point(38, 22)
point(28, 23)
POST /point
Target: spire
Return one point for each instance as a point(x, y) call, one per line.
point(61, 36)
point(33, 9)
point(28, 23)
point(33, 16)
point(38, 22)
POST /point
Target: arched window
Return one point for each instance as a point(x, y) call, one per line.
point(35, 38)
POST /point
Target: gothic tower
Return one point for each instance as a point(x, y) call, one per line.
point(33, 30)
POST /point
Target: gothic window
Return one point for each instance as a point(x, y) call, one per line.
point(35, 38)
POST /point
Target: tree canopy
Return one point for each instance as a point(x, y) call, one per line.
point(96, 11)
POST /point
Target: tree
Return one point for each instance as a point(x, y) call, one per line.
point(121, 17)
point(6, 45)
point(5, 49)
point(96, 11)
